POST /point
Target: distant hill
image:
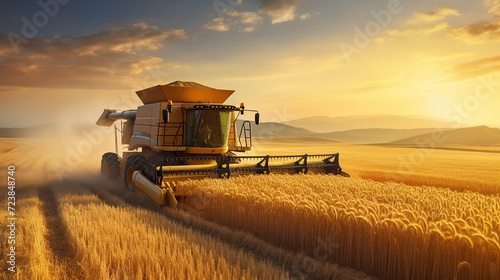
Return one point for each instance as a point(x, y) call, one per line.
point(332, 124)
point(371, 135)
point(375, 135)
point(470, 136)
point(272, 129)
point(307, 140)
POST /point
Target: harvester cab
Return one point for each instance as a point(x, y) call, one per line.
point(185, 130)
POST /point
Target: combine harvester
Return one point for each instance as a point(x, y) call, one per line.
point(185, 131)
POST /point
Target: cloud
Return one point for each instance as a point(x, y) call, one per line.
point(305, 16)
point(409, 32)
point(438, 13)
point(442, 57)
point(279, 10)
point(477, 68)
point(246, 21)
point(492, 6)
point(113, 58)
point(217, 24)
point(482, 31)
point(479, 32)
point(235, 20)
point(250, 18)
point(422, 24)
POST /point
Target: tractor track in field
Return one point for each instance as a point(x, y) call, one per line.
point(57, 234)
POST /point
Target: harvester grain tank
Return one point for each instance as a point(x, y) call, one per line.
point(185, 130)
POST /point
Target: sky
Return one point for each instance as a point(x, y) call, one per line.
point(66, 60)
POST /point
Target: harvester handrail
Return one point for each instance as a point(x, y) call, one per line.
point(180, 128)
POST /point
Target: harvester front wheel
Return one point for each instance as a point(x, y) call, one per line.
point(110, 165)
point(134, 163)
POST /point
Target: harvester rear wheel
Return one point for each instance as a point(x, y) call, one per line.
point(134, 163)
point(110, 165)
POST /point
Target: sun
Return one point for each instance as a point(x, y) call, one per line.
point(437, 105)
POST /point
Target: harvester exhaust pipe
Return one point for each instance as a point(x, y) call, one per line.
point(159, 195)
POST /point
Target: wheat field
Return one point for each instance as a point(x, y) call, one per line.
point(457, 169)
point(431, 221)
point(388, 230)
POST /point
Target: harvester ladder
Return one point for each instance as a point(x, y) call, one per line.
point(232, 133)
point(246, 130)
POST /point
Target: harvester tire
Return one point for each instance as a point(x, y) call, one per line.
point(155, 158)
point(134, 163)
point(110, 166)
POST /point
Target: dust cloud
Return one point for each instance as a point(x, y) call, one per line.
point(55, 152)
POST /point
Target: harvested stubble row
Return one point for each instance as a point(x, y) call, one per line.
point(33, 261)
point(387, 230)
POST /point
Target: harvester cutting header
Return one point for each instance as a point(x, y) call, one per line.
point(184, 130)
